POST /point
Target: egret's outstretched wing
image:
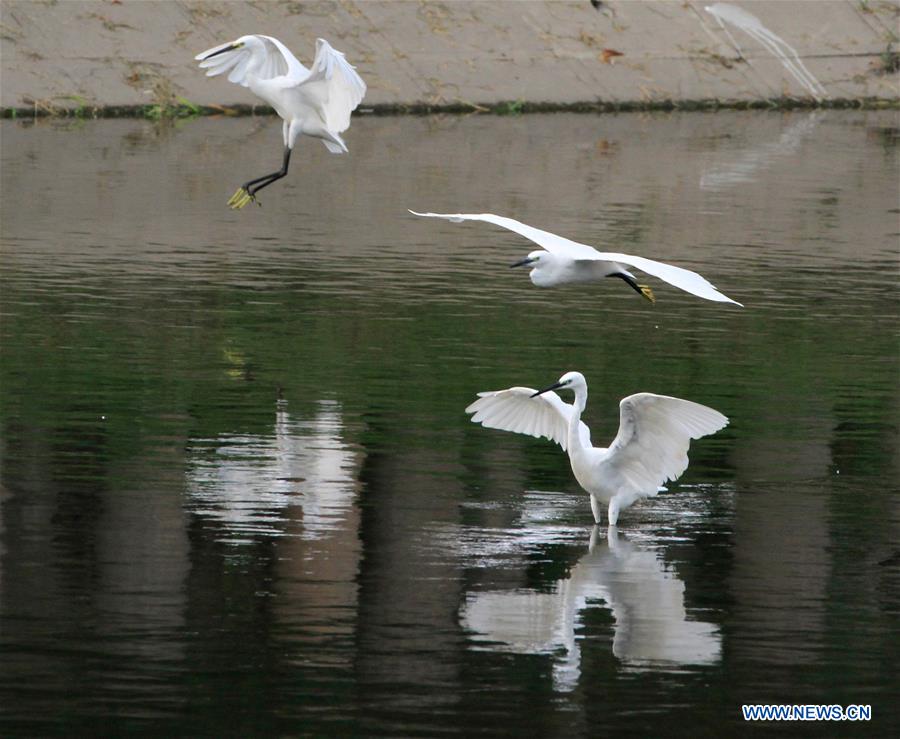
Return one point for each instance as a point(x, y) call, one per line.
point(515, 410)
point(278, 62)
point(333, 87)
point(655, 432)
point(682, 278)
point(546, 240)
point(678, 276)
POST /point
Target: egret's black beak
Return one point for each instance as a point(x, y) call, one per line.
point(554, 386)
point(230, 47)
point(523, 262)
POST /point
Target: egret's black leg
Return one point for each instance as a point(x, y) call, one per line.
point(643, 290)
point(248, 190)
point(249, 183)
point(270, 178)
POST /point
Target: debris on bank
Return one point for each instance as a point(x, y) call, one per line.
point(135, 59)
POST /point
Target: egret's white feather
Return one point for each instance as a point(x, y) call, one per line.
point(679, 277)
point(515, 410)
point(239, 71)
point(338, 147)
point(551, 242)
point(650, 448)
point(313, 102)
point(277, 62)
point(577, 253)
point(333, 87)
point(281, 62)
point(654, 434)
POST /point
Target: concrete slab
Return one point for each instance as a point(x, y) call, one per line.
point(140, 52)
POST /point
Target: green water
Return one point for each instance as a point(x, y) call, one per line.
point(240, 495)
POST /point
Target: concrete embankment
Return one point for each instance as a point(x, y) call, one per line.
point(129, 55)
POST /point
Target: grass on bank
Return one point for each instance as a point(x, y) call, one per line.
point(180, 108)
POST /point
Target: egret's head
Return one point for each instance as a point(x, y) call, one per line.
point(536, 259)
point(227, 47)
point(569, 381)
point(251, 42)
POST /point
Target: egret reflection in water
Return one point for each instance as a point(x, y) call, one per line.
point(651, 631)
point(248, 483)
point(746, 165)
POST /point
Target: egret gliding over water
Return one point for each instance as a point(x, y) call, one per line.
point(316, 102)
point(563, 261)
point(651, 447)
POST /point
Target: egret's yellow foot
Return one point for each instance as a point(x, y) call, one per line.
point(233, 199)
point(239, 193)
point(647, 293)
point(240, 199)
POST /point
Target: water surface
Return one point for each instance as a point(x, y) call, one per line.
point(239, 494)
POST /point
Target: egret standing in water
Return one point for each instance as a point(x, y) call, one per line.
point(316, 102)
point(563, 261)
point(650, 448)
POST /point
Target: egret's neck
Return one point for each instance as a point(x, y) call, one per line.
point(545, 273)
point(257, 59)
point(578, 406)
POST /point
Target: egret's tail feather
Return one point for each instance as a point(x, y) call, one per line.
point(334, 148)
point(335, 144)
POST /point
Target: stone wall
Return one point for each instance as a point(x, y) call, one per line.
point(77, 54)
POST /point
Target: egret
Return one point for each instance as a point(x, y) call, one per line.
point(562, 261)
point(316, 102)
point(651, 447)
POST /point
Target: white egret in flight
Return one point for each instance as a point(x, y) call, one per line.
point(650, 448)
point(562, 261)
point(316, 102)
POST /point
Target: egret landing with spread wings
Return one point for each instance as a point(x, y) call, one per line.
point(315, 102)
point(650, 448)
point(561, 261)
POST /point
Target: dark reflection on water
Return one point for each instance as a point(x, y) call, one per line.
point(647, 602)
point(238, 493)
